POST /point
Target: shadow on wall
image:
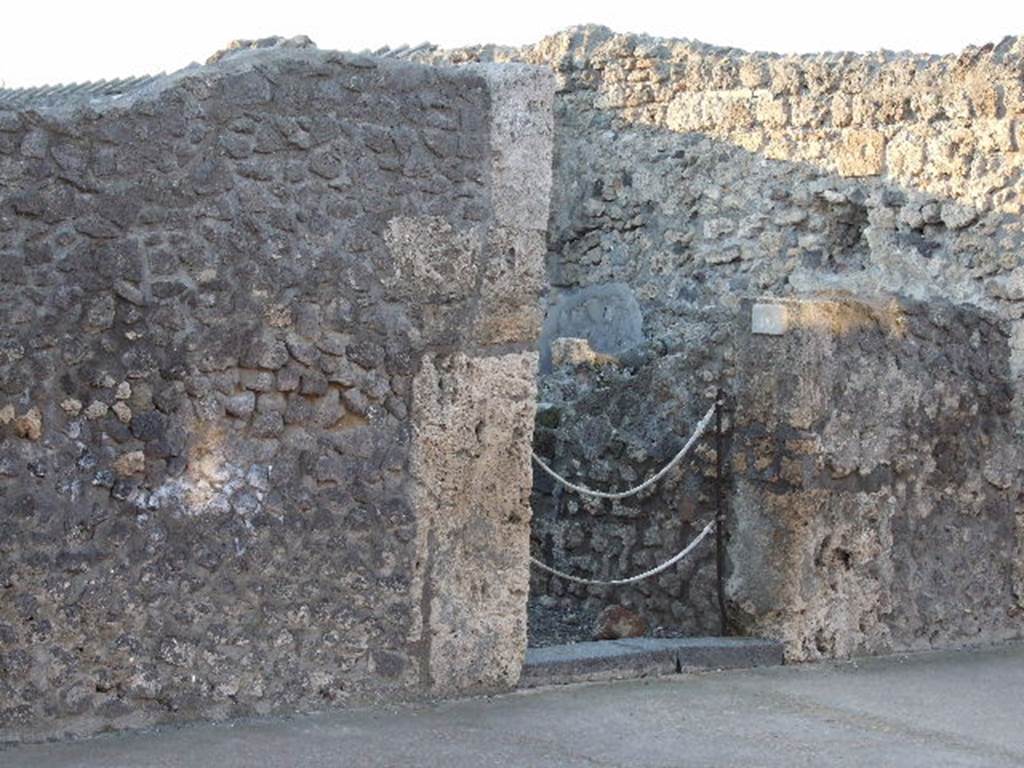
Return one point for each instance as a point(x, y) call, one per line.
point(672, 201)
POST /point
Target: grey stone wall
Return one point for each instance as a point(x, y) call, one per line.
point(268, 350)
point(267, 389)
point(689, 176)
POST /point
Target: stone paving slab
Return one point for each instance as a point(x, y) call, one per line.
point(644, 657)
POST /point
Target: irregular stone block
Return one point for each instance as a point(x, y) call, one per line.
point(131, 463)
point(617, 622)
point(241, 405)
point(608, 317)
point(122, 411)
point(71, 406)
point(860, 152)
point(97, 409)
point(29, 425)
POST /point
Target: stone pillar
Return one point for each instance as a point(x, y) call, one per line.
point(876, 478)
point(473, 418)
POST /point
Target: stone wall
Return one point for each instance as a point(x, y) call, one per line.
point(267, 389)
point(612, 422)
point(269, 342)
point(689, 176)
point(876, 501)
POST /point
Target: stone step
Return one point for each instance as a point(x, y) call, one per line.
point(644, 657)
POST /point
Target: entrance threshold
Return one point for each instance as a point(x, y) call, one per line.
point(644, 657)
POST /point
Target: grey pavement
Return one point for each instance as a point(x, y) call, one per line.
point(957, 708)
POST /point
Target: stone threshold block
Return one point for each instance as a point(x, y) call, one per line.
point(644, 657)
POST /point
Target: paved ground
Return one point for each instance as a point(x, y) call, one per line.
point(935, 710)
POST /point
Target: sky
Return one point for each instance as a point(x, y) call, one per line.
point(43, 42)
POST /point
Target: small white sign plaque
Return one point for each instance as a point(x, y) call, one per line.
point(768, 319)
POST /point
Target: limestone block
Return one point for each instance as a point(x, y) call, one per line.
point(841, 107)
point(574, 352)
point(686, 113)
point(996, 135)
point(97, 409)
point(122, 411)
point(905, 154)
point(71, 406)
point(473, 427)
point(753, 73)
point(771, 112)
point(511, 286)
point(814, 570)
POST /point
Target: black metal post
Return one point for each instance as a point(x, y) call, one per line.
point(720, 515)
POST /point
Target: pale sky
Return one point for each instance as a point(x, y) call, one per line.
point(52, 42)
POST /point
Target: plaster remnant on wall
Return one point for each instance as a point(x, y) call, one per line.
point(429, 254)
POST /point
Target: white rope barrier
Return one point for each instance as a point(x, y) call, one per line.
point(702, 425)
point(640, 576)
